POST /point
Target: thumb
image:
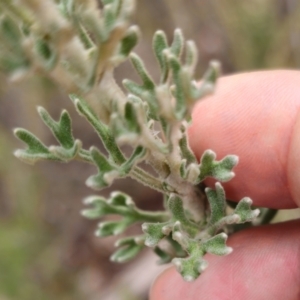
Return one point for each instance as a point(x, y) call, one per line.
point(255, 116)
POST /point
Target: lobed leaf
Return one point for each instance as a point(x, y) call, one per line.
point(35, 151)
point(129, 41)
point(107, 172)
point(217, 245)
point(244, 211)
point(220, 170)
point(217, 203)
point(62, 130)
point(129, 248)
point(154, 233)
point(178, 43)
point(139, 66)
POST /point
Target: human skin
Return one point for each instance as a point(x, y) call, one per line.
point(257, 117)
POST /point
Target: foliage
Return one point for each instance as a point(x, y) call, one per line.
point(78, 45)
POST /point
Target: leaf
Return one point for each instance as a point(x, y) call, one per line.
point(129, 41)
point(217, 245)
point(35, 151)
point(176, 208)
point(220, 170)
point(217, 202)
point(191, 57)
point(190, 268)
point(107, 172)
point(132, 122)
point(154, 233)
point(137, 155)
point(159, 44)
point(208, 82)
point(113, 227)
point(120, 199)
point(139, 66)
point(244, 211)
point(186, 152)
point(62, 130)
point(117, 204)
point(130, 247)
point(99, 209)
point(133, 88)
point(178, 88)
point(66, 154)
point(102, 130)
point(109, 18)
point(177, 44)
point(213, 72)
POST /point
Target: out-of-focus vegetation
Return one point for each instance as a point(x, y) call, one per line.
point(47, 250)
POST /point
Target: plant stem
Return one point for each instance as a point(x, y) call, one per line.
point(148, 180)
point(158, 216)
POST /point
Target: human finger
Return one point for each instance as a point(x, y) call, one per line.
point(255, 116)
point(265, 264)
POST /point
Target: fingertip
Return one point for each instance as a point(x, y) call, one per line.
point(162, 284)
point(251, 115)
point(265, 264)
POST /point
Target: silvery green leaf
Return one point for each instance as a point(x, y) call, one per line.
point(186, 151)
point(109, 18)
point(66, 154)
point(131, 118)
point(133, 88)
point(213, 72)
point(99, 209)
point(137, 155)
point(139, 66)
point(189, 268)
point(154, 233)
point(178, 43)
point(178, 88)
point(138, 240)
point(191, 57)
point(35, 151)
point(118, 204)
point(220, 170)
point(243, 209)
point(217, 245)
point(159, 44)
point(106, 171)
point(62, 130)
point(208, 82)
point(175, 206)
point(113, 227)
point(120, 199)
point(179, 235)
point(129, 248)
point(103, 131)
point(129, 41)
point(217, 202)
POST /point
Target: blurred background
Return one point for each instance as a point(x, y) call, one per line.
point(47, 250)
